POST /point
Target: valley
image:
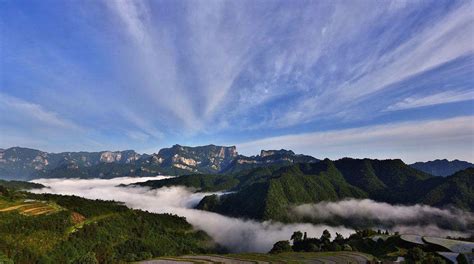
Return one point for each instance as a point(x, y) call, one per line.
point(241, 212)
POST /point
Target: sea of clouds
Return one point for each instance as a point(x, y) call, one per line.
point(416, 219)
point(241, 235)
point(238, 235)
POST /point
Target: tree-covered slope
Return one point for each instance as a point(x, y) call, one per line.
point(442, 167)
point(272, 192)
point(20, 185)
point(457, 190)
point(199, 182)
point(384, 180)
point(271, 196)
point(75, 229)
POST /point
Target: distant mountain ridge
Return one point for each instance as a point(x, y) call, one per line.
point(23, 163)
point(280, 158)
point(442, 167)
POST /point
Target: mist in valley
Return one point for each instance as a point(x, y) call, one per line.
point(242, 235)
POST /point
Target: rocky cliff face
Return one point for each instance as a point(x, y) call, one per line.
point(265, 153)
point(127, 156)
point(209, 159)
point(23, 163)
point(280, 157)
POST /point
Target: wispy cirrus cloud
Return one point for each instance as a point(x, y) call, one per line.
point(18, 110)
point(30, 124)
point(385, 61)
point(149, 73)
point(433, 99)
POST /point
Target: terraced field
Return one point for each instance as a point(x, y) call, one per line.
point(29, 207)
point(450, 244)
point(322, 258)
point(415, 239)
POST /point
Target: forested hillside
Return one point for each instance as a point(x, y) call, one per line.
point(45, 228)
point(267, 193)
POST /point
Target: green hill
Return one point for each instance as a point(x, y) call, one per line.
point(457, 190)
point(45, 228)
point(270, 197)
point(268, 192)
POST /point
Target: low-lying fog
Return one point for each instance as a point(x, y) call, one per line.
point(236, 234)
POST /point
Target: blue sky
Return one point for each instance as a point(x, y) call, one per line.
point(359, 78)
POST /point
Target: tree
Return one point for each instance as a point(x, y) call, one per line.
point(416, 254)
point(281, 246)
point(88, 258)
point(432, 259)
point(305, 236)
point(297, 236)
point(339, 238)
point(326, 237)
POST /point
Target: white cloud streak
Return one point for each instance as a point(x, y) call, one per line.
point(449, 38)
point(156, 64)
point(433, 99)
point(206, 68)
point(26, 111)
point(411, 141)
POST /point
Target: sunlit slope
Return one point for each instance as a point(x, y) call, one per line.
point(66, 229)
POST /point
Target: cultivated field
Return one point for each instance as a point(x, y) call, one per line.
point(29, 207)
point(415, 239)
point(453, 245)
point(322, 257)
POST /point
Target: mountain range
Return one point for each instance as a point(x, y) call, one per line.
point(25, 164)
point(19, 163)
point(442, 167)
point(268, 193)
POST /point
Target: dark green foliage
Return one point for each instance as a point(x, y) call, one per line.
point(109, 233)
point(363, 241)
point(17, 185)
point(465, 258)
point(297, 236)
point(415, 254)
point(431, 258)
point(88, 258)
point(201, 182)
point(457, 190)
point(268, 193)
point(384, 180)
point(85, 207)
point(280, 247)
